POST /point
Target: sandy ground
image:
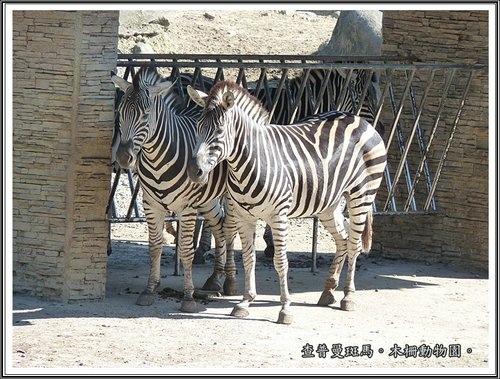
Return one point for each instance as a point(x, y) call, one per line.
point(400, 304)
point(410, 316)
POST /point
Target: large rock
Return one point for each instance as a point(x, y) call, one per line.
point(356, 33)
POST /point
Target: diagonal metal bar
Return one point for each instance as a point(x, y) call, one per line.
point(366, 87)
point(296, 104)
point(320, 98)
point(278, 93)
point(413, 131)
point(110, 208)
point(135, 192)
point(448, 143)
point(345, 88)
point(396, 129)
point(423, 161)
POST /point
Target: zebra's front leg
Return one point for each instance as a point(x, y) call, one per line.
point(279, 228)
point(214, 217)
point(187, 221)
point(230, 227)
point(155, 219)
point(247, 234)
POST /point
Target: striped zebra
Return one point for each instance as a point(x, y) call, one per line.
point(281, 171)
point(157, 136)
point(319, 91)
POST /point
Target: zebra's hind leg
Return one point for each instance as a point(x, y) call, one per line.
point(336, 224)
point(186, 253)
point(155, 221)
point(360, 229)
point(247, 234)
point(214, 216)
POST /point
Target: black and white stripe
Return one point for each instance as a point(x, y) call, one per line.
point(282, 171)
point(157, 136)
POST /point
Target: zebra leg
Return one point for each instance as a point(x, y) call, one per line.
point(336, 225)
point(247, 235)
point(155, 219)
point(230, 231)
point(214, 217)
point(187, 223)
point(279, 227)
point(268, 239)
point(358, 225)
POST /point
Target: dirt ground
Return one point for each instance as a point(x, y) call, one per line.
point(400, 304)
point(411, 317)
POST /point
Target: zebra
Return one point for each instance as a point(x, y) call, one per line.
point(281, 171)
point(157, 136)
point(327, 90)
point(181, 80)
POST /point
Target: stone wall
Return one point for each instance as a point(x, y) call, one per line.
point(459, 232)
point(63, 120)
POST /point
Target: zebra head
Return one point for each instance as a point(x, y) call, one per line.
point(213, 135)
point(135, 111)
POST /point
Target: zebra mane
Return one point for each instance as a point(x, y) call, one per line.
point(242, 97)
point(148, 76)
point(145, 77)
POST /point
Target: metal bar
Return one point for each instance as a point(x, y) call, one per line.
point(345, 87)
point(111, 197)
point(448, 143)
point(314, 248)
point(409, 141)
point(442, 102)
point(278, 93)
point(366, 86)
point(326, 62)
point(177, 258)
point(298, 96)
point(260, 82)
point(397, 128)
point(380, 104)
point(321, 94)
point(135, 192)
point(422, 146)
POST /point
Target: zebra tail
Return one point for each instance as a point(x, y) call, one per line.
point(366, 236)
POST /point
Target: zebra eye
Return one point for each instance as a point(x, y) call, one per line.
point(219, 131)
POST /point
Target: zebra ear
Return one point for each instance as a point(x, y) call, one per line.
point(120, 82)
point(198, 97)
point(161, 88)
point(228, 100)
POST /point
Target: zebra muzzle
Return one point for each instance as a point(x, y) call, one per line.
point(125, 155)
point(195, 171)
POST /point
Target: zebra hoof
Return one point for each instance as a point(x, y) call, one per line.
point(285, 318)
point(347, 305)
point(231, 287)
point(189, 306)
point(240, 312)
point(146, 298)
point(212, 284)
point(326, 299)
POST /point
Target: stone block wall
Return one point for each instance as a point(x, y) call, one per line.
point(63, 108)
point(459, 232)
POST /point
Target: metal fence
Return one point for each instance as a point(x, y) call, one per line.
point(419, 104)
